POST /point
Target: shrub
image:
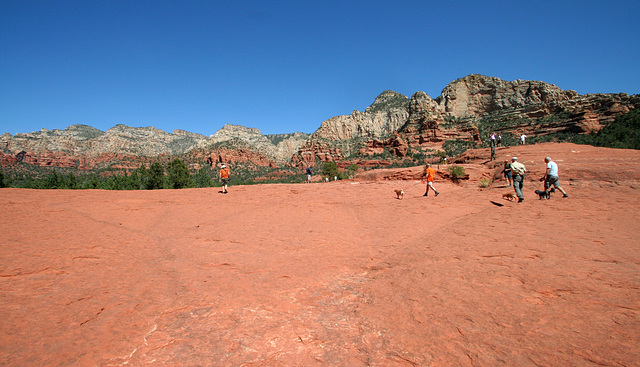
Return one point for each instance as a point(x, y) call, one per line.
point(457, 172)
point(352, 169)
point(484, 183)
point(455, 147)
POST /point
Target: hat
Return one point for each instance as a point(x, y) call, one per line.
point(224, 166)
point(548, 159)
point(514, 158)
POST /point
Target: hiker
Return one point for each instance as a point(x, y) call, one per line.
point(551, 177)
point(223, 176)
point(507, 172)
point(499, 140)
point(518, 170)
point(431, 175)
point(308, 172)
point(522, 139)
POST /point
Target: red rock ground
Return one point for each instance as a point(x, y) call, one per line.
point(337, 274)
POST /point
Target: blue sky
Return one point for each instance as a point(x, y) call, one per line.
point(285, 66)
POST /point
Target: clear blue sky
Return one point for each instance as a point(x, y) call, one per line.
point(285, 66)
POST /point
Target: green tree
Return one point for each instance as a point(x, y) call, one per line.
point(352, 169)
point(115, 182)
point(71, 182)
point(93, 182)
point(53, 181)
point(178, 175)
point(2, 183)
point(202, 178)
point(142, 177)
point(155, 177)
point(133, 181)
point(330, 169)
point(623, 132)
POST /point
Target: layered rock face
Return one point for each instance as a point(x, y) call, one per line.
point(392, 123)
point(458, 113)
point(87, 141)
point(388, 113)
point(85, 147)
point(477, 96)
point(279, 147)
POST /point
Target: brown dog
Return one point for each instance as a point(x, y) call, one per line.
point(509, 196)
point(399, 193)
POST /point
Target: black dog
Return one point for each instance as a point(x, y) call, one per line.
point(543, 194)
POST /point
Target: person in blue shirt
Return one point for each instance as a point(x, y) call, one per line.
point(308, 172)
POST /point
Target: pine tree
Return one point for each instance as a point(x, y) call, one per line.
point(178, 175)
point(155, 177)
point(53, 181)
point(202, 178)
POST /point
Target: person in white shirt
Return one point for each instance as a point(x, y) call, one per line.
point(551, 177)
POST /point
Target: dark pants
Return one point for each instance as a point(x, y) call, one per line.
point(551, 180)
point(518, 185)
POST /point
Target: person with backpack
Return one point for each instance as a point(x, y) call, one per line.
point(308, 172)
point(223, 176)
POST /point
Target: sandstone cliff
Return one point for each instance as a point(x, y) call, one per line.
point(337, 137)
point(387, 114)
point(468, 109)
point(476, 97)
point(85, 147)
point(280, 147)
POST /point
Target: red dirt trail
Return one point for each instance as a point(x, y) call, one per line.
point(330, 274)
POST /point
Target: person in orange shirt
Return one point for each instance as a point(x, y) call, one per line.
point(223, 175)
point(431, 175)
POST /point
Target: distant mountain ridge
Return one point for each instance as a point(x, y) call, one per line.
point(87, 141)
point(466, 110)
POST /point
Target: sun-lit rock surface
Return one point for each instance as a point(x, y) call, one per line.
point(333, 274)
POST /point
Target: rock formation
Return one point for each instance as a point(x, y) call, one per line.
point(476, 97)
point(85, 147)
point(467, 109)
point(279, 147)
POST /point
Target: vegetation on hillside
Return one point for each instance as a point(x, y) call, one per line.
point(455, 147)
point(623, 132)
point(388, 100)
point(173, 175)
